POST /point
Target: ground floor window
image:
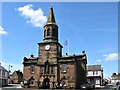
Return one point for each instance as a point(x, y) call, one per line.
point(97, 81)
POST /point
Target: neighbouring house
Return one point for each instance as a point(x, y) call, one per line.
point(115, 78)
point(3, 76)
point(16, 77)
point(95, 74)
point(50, 69)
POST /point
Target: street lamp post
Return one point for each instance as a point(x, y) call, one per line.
point(9, 68)
point(9, 81)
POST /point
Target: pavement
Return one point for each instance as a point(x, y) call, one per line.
point(11, 86)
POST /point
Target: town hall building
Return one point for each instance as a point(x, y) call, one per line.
point(50, 69)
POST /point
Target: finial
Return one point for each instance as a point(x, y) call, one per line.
point(83, 52)
point(32, 55)
point(50, 6)
point(51, 18)
point(66, 54)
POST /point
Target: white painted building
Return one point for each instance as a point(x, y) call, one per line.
point(3, 76)
point(95, 74)
point(115, 78)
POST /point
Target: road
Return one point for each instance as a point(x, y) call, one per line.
point(18, 87)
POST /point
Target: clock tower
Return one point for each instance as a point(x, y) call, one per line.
point(50, 50)
point(50, 69)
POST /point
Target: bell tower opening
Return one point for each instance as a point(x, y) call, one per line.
point(51, 28)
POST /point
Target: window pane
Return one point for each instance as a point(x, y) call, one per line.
point(64, 68)
point(96, 72)
point(93, 72)
point(97, 81)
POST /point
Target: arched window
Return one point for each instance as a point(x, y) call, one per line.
point(41, 71)
point(53, 32)
point(52, 70)
point(56, 33)
point(44, 33)
point(32, 68)
point(48, 32)
point(46, 67)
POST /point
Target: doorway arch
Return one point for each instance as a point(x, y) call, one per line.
point(46, 84)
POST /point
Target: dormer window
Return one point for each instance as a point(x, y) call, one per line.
point(48, 32)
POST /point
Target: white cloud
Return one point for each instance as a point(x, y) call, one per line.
point(34, 17)
point(2, 31)
point(111, 56)
point(98, 60)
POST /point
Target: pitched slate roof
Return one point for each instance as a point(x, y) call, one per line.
point(19, 73)
point(94, 67)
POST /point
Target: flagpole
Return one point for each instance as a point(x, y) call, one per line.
point(68, 46)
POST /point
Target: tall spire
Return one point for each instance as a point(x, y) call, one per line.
point(51, 18)
point(51, 29)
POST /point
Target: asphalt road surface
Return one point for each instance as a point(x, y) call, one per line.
point(18, 87)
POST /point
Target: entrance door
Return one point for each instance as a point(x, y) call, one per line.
point(46, 84)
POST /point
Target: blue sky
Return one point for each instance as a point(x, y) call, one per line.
point(92, 27)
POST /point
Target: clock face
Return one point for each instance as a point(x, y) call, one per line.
point(47, 47)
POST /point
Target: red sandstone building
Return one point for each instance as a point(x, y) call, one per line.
point(50, 69)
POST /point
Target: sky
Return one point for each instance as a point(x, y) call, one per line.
point(89, 26)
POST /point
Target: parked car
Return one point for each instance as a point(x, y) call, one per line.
point(118, 85)
point(25, 83)
point(92, 85)
point(22, 85)
point(85, 86)
point(111, 86)
point(88, 86)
